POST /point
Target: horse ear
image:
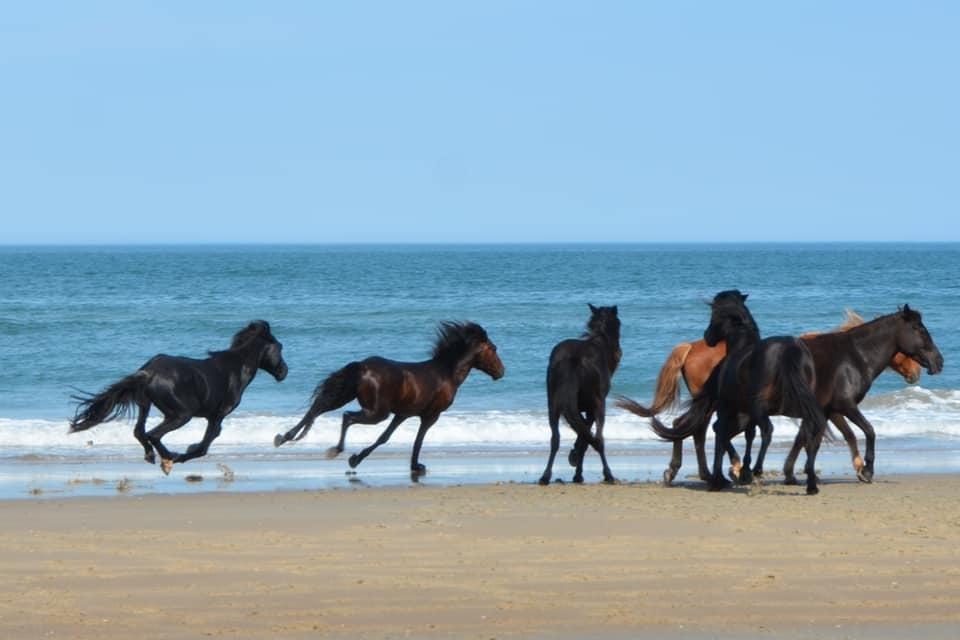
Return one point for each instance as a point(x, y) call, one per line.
point(906, 309)
point(593, 309)
point(743, 297)
point(614, 309)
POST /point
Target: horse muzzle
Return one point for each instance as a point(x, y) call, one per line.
point(281, 372)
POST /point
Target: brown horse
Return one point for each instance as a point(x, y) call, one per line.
point(695, 360)
point(405, 389)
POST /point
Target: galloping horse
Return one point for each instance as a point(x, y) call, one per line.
point(757, 378)
point(405, 389)
point(185, 388)
point(695, 360)
point(578, 380)
point(848, 362)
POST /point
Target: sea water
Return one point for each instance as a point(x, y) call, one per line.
point(78, 318)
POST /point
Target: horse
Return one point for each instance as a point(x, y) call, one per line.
point(695, 360)
point(847, 363)
point(757, 378)
point(184, 388)
point(578, 381)
point(405, 389)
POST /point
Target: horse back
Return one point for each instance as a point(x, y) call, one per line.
point(406, 388)
point(178, 383)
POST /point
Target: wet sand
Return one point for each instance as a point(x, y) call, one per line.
point(490, 561)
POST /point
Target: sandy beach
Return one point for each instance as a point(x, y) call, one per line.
point(491, 561)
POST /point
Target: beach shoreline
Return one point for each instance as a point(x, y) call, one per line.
point(489, 561)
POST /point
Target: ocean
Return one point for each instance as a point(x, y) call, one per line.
point(78, 318)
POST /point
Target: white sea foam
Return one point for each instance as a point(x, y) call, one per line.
point(910, 412)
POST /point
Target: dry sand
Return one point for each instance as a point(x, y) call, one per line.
point(494, 561)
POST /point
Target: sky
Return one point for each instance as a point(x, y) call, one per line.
point(488, 121)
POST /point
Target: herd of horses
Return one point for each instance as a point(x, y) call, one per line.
point(731, 373)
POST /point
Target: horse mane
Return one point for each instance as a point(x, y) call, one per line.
point(242, 338)
point(732, 303)
point(456, 338)
point(851, 319)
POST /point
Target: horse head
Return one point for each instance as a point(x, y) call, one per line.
point(914, 340)
point(605, 322)
point(467, 343)
point(271, 359)
point(730, 320)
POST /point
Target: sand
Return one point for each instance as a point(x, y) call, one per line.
point(493, 561)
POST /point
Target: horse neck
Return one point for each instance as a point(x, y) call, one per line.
point(610, 345)
point(876, 343)
point(741, 339)
point(247, 357)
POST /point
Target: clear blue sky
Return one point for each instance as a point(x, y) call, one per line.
point(477, 122)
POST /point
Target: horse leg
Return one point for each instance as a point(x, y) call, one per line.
point(417, 469)
point(599, 445)
point(363, 416)
point(700, 446)
point(766, 436)
point(865, 474)
point(790, 462)
point(357, 458)
point(812, 446)
point(575, 457)
point(722, 441)
point(169, 424)
point(139, 432)
point(746, 475)
point(587, 439)
point(199, 449)
point(676, 460)
point(554, 445)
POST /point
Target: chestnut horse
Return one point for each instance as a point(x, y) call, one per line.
point(695, 360)
point(184, 388)
point(405, 389)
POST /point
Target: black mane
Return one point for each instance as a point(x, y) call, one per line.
point(456, 338)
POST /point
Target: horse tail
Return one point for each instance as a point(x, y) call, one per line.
point(336, 390)
point(114, 402)
point(668, 385)
point(798, 398)
point(694, 418)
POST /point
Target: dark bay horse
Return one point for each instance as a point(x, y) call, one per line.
point(578, 380)
point(758, 378)
point(405, 389)
point(848, 362)
point(184, 388)
point(693, 361)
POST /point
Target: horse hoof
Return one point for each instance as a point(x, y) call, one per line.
point(812, 491)
point(609, 480)
point(745, 477)
point(353, 461)
point(278, 440)
point(790, 480)
point(735, 472)
point(578, 479)
point(166, 466)
point(865, 475)
point(720, 485)
point(418, 469)
point(333, 452)
point(668, 476)
point(544, 480)
point(150, 457)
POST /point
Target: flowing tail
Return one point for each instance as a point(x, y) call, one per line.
point(696, 417)
point(668, 385)
point(798, 398)
point(114, 402)
point(339, 388)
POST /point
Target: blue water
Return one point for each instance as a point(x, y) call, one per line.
point(79, 318)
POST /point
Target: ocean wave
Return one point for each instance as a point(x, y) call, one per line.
point(909, 412)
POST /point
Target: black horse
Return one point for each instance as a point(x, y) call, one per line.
point(184, 388)
point(405, 389)
point(757, 379)
point(578, 380)
point(848, 362)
